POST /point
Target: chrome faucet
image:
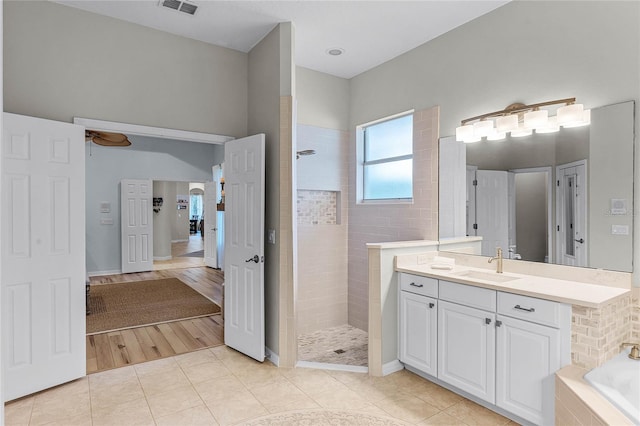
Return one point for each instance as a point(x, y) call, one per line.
point(499, 259)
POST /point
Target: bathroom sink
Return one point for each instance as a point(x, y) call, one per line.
point(486, 276)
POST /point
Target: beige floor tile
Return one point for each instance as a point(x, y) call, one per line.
point(194, 358)
point(347, 377)
point(131, 413)
point(407, 408)
point(235, 411)
point(156, 366)
point(375, 391)
point(443, 419)
point(80, 420)
point(178, 399)
point(257, 376)
point(435, 395)
point(18, 412)
point(222, 389)
point(195, 416)
point(282, 396)
point(164, 380)
point(313, 382)
point(112, 376)
point(107, 394)
point(63, 402)
point(204, 371)
point(473, 414)
point(344, 399)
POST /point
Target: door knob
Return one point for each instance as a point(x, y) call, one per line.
point(581, 241)
point(255, 258)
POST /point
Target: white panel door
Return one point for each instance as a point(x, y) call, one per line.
point(244, 245)
point(136, 223)
point(492, 210)
point(571, 213)
point(43, 254)
point(418, 332)
point(466, 349)
point(210, 228)
point(452, 182)
point(528, 355)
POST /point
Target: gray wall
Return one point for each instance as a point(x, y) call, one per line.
point(62, 62)
point(146, 158)
point(323, 100)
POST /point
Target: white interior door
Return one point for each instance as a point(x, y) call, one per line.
point(244, 245)
point(210, 228)
point(492, 210)
point(43, 254)
point(571, 215)
point(136, 223)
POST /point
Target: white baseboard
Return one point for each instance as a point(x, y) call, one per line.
point(100, 273)
point(160, 258)
point(180, 241)
point(392, 367)
point(336, 367)
point(272, 357)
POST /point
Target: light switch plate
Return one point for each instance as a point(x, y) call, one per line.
point(619, 229)
point(271, 236)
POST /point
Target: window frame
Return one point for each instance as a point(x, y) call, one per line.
point(361, 163)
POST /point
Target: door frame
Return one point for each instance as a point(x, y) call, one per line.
point(549, 171)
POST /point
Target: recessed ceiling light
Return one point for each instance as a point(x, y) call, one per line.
point(335, 51)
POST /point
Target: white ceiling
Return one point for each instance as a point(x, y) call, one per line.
point(370, 32)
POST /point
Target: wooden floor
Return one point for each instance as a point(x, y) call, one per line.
point(120, 348)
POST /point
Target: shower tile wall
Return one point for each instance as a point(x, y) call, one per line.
point(321, 300)
point(635, 315)
point(375, 223)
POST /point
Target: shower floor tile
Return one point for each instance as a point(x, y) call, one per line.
point(344, 344)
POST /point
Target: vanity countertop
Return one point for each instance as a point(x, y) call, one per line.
point(564, 291)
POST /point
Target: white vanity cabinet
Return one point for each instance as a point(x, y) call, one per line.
point(467, 339)
point(499, 347)
point(528, 354)
point(418, 322)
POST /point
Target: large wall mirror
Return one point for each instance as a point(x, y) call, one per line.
point(564, 197)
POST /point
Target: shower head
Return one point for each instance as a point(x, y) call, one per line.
point(305, 152)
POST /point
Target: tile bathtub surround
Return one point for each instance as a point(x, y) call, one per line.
point(220, 386)
point(596, 334)
point(578, 403)
point(635, 314)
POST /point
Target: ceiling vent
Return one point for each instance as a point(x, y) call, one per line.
point(180, 6)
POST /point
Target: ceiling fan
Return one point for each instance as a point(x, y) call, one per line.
point(106, 138)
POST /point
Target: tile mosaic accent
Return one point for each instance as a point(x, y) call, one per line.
point(317, 207)
point(596, 334)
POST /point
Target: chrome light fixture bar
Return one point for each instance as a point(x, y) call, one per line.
point(521, 120)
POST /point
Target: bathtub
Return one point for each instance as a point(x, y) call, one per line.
point(619, 381)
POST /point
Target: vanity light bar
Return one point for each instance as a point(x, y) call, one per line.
point(520, 120)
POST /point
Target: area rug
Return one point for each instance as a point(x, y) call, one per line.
point(137, 303)
point(325, 417)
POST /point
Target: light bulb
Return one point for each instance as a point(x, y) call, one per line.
point(536, 119)
point(483, 128)
point(570, 115)
point(507, 123)
point(464, 132)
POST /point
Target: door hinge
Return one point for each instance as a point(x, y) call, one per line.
point(557, 183)
point(475, 182)
point(475, 226)
point(558, 228)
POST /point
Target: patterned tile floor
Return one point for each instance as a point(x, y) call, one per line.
point(220, 386)
point(336, 345)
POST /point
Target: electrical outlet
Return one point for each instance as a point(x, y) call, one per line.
point(422, 259)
